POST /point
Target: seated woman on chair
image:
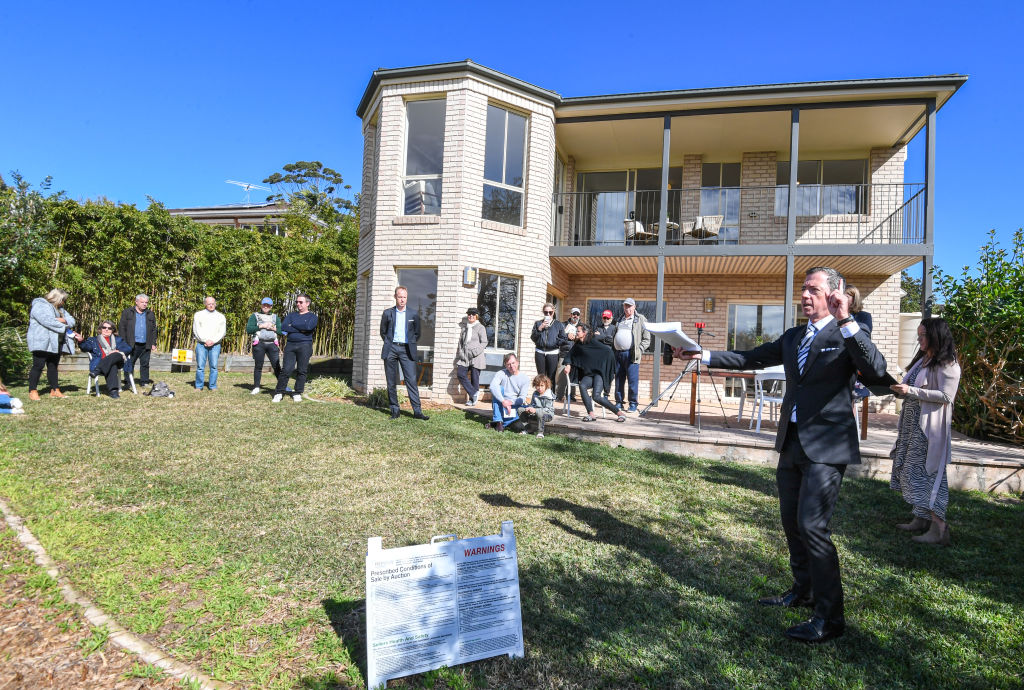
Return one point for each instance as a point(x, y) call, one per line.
point(592, 364)
point(106, 356)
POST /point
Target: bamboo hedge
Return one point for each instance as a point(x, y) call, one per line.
point(103, 254)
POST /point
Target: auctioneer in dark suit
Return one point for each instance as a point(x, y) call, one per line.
point(815, 451)
point(396, 354)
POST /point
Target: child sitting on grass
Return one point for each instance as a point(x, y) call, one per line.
point(9, 405)
point(542, 402)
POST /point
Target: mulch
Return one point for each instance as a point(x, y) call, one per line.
point(41, 645)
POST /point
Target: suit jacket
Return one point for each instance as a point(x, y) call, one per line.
point(387, 331)
point(126, 326)
point(824, 415)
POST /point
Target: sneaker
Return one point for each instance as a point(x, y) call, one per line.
point(540, 435)
point(16, 404)
point(115, 395)
point(297, 397)
point(17, 410)
point(498, 426)
point(632, 408)
point(277, 397)
point(255, 391)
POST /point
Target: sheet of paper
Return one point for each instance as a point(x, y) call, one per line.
point(672, 333)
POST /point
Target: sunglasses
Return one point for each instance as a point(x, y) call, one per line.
point(106, 328)
point(548, 313)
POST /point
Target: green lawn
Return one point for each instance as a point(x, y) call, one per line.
point(233, 533)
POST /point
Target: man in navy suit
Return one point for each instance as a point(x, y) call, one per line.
point(400, 329)
point(816, 441)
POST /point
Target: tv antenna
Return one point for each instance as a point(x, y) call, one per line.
point(248, 186)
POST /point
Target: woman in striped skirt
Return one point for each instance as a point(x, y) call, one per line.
point(923, 446)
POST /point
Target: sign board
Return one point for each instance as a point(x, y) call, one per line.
point(441, 604)
point(181, 356)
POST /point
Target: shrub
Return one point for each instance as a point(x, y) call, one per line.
point(985, 311)
point(15, 359)
point(378, 398)
point(329, 387)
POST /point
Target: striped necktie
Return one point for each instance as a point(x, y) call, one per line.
point(805, 347)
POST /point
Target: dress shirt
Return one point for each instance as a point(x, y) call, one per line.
point(399, 327)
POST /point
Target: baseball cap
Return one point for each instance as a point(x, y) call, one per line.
point(606, 314)
point(630, 301)
point(574, 310)
point(267, 300)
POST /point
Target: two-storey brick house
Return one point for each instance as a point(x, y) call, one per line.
point(481, 190)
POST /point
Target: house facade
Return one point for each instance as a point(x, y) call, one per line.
point(481, 190)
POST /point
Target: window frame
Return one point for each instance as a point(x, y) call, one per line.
point(497, 310)
point(409, 179)
point(815, 190)
point(503, 184)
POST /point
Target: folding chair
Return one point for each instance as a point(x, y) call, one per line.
point(574, 387)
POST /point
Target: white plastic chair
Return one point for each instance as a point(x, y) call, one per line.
point(769, 387)
point(94, 380)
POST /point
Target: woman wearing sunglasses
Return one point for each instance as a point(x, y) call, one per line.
point(548, 336)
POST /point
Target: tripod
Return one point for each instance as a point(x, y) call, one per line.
point(699, 325)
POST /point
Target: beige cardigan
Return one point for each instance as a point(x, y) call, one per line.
point(936, 390)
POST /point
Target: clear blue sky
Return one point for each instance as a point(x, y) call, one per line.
point(125, 100)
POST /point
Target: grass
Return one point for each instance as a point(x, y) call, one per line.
point(232, 532)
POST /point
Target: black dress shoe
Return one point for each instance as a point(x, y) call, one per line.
point(788, 599)
point(420, 415)
point(395, 414)
point(817, 630)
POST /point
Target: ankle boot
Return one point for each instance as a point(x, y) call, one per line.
point(33, 395)
point(934, 535)
point(55, 393)
point(918, 523)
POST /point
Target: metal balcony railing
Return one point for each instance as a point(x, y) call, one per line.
point(826, 214)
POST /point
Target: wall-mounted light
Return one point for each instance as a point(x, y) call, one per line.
point(709, 305)
point(469, 276)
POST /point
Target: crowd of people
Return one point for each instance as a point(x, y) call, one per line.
point(817, 437)
point(115, 349)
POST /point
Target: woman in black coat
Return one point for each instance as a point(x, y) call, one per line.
point(592, 364)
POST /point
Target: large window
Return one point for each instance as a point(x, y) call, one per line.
point(647, 307)
point(751, 325)
point(424, 157)
point(603, 200)
point(504, 159)
point(498, 302)
point(422, 286)
point(720, 196)
point(824, 187)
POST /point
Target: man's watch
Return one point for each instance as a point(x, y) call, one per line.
point(843, 322)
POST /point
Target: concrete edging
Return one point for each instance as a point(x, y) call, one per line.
point(97, 617)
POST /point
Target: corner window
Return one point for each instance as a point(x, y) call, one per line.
point(504, 160)
point(498, 302)
point(424, 157)
point(422, 286)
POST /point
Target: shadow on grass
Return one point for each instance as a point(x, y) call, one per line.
point(741, 477)
point(704, 629)
point(348, 620)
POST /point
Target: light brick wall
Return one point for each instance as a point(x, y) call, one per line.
point(458, 237)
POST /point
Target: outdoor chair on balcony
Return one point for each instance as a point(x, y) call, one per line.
point(636, 233)
point(704, 227)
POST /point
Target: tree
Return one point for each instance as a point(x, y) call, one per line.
point(311, 188)
point(911, 301)
point(985, 311)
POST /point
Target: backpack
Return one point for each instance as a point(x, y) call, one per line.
point(160, 390)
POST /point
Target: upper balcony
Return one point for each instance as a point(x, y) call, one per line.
point(825, 214)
